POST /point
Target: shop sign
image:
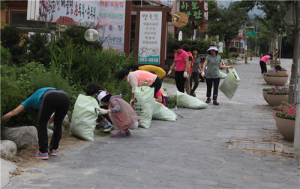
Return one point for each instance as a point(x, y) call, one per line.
point(195, 10)
point(150, 37)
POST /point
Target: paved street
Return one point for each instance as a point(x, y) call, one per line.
point(189, 153)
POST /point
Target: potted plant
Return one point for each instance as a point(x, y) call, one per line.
point(278, 95)
point(285, 115)
point(277, 79)
point(282, 70)
point(265, 90)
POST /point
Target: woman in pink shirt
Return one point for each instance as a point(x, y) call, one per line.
point(263, 63)
point(182, 64)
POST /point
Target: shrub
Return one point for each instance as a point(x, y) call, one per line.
point(235, 54)
point(172, 101)
point(5, 56)
point(12, 95)
point(11, 38)
point(203, 45)
point(223, 55)
point(38, 46)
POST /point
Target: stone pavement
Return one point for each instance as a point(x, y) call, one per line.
point(189, 153)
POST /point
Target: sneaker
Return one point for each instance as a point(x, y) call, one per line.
point(41, 155)
point(215, 102)
point(106, 130)
point(119, 134)
point(128, 133)
point(107, 126)
point(208, 100)
point(52, 152)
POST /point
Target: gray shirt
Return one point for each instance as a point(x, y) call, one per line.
point(196, 63)
point(213, 63)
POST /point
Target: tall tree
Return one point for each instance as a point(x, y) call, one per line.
point(227, 23)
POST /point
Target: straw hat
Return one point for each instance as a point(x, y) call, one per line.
point(213, 48)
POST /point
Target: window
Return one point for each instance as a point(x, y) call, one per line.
point(19, 19)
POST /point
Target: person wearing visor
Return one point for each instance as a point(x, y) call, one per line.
point(45, 101)
point(213, 62)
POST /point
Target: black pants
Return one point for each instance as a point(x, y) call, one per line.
point(156, 85)
point(180, 80)
point(52, 100)
point(209, 83)
point(106, 116)
point(263, 67)
point(195, 77)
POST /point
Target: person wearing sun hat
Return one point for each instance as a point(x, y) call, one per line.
point(213, 62)
point(121, 114)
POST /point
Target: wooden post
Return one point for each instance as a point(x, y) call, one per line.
point(137, 34)
point(127, 27)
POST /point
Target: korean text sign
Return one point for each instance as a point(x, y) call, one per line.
point(107, 17)
point(149, 37)
point(111, 24)
point(195, 10)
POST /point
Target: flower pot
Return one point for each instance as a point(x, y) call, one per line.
point(265, 96)
point(276, 99)
point(277, 81)
point(286, 127)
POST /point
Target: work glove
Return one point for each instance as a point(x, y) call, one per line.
point(131, 102)
point(185, 75)
point(230, 67)
point(203, 74)
point(102, 111)
point(169, 73)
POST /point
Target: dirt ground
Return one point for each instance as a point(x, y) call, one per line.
point(24, 158)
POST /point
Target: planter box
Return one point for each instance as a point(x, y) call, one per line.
point(277, 81)
point(276, 99)
point(286, 127)
point(265, 96)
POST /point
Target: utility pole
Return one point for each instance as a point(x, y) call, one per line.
point(297, 100)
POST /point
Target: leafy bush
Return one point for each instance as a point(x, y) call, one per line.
point(5, 56)
point(18, 82)
point(203, 45)
point(12, 95)
point(38, 46)
point(172, 101)
point(234, 54)
point(77, 35)
point(11, 38)
point(223, 55)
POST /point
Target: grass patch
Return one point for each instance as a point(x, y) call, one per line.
point(100, 133)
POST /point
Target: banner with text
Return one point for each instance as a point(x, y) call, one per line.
point(107, 17)
point(150, 37)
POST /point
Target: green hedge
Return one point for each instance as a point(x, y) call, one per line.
point(203, 45)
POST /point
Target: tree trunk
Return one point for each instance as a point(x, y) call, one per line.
point(295, 61)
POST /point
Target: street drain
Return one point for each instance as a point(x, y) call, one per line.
point(255, 146)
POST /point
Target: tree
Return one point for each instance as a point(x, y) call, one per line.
point(227, 22)
point(275, 12)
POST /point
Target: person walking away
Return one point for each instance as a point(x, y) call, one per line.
point(121, 113)
point(181, 62)
point(187, 87)
point(45, 101)
point(195, 72)
point(213, 62)
point(155, 69)
point(263, 64)
point(140, 78)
